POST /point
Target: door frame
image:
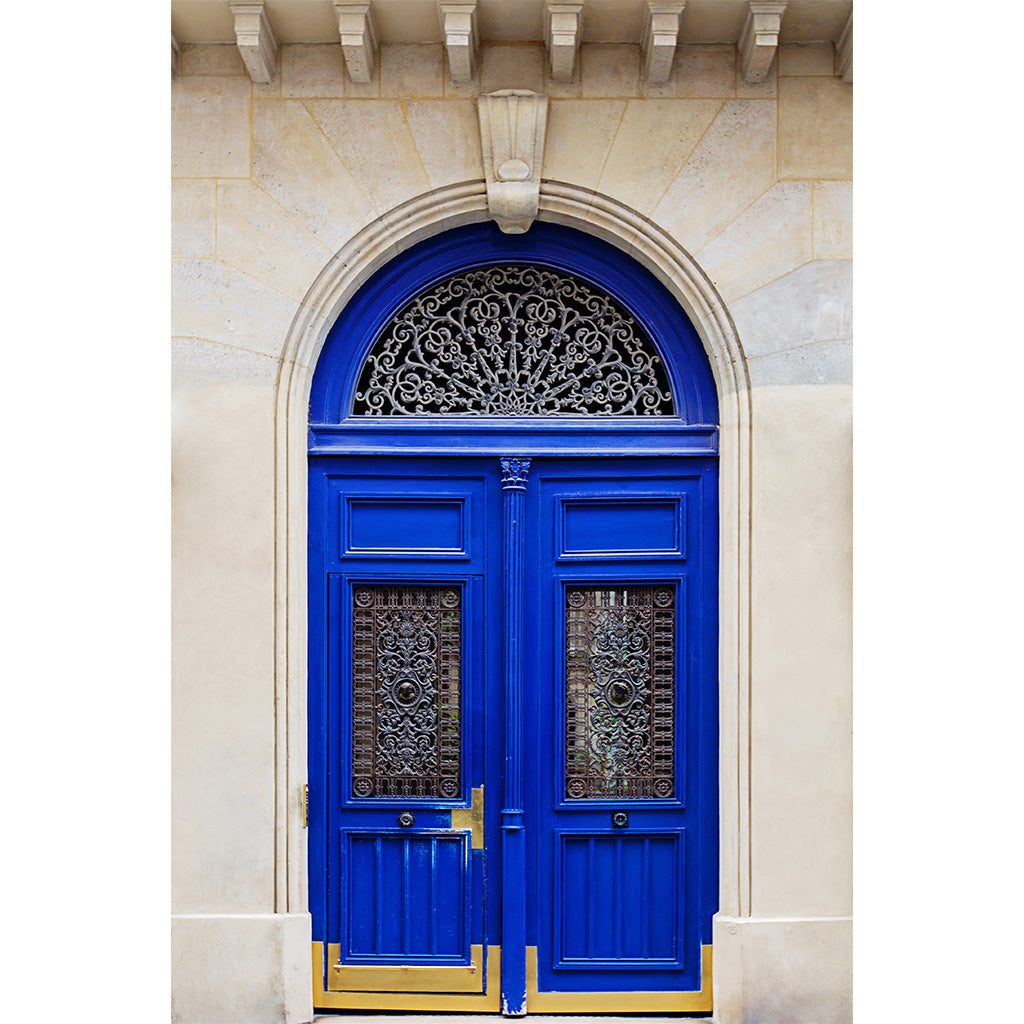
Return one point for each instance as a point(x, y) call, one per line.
point(678, 272)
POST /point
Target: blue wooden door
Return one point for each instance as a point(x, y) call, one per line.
point(424, 894)
point(621, 796)
point(404, 744)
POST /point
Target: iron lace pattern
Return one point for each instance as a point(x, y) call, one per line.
point(406, 706)
point(513, 341)
point(620, 692)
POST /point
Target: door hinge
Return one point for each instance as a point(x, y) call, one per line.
point(305, 805)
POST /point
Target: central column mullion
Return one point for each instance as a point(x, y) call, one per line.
point(514, 472)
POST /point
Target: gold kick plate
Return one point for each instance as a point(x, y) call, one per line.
point(472, 818)
point(412, 995)
point(618, 1002)
point(402, 978)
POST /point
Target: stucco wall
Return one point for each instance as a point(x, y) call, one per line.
point(270, 181)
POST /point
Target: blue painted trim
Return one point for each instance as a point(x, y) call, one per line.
point(479, 245)
point(529, 437)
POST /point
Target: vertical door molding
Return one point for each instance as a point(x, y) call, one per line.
point(514, 472)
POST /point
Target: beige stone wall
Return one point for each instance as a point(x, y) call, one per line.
point(753, 180)
point(270, 181)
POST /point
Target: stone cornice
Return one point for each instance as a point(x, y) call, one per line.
point(508, 21)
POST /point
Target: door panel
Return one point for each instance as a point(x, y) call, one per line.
point(612, 907)
point(408, 895)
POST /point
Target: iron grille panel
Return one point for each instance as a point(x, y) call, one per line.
point(620, 692)
point(513, 341)
point(406, 692)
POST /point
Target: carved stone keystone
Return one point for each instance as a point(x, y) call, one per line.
point(760, 38)
point(512, 126)
point(563, 30)
point(461, 39)
point(256, 41)
point(658, 43)
point(358, 39)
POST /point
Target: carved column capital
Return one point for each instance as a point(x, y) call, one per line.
point(512, 127)
point(514, 471)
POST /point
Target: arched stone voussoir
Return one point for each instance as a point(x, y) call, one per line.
point(562, 203)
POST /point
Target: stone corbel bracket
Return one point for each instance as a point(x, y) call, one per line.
point(358, 39)
point(512, 127)
point(760, 38)
point(563, 30)
point(256, 41)
point(461, 39)
point(660, 36)
point(844, 51)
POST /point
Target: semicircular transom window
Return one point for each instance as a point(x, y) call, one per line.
point(513, 340)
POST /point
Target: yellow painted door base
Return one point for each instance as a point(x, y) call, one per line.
point(617, 1002)
point(416, 988)
point(409, 988)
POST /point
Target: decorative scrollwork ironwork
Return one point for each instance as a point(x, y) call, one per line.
point(513, 340)
point(619, 692)
point(406, 707)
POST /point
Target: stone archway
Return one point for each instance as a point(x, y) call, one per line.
point(401, 227)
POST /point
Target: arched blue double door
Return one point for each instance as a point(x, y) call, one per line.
point(513, 640)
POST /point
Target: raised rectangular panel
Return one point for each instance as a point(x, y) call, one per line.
point(631, 528)
point(617, 899)
point(397, 528)
point(408, 897)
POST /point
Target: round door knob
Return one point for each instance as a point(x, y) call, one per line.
point(406, 818)
point(620, 819)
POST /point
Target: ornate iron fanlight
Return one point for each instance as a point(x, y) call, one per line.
point(513, 341)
